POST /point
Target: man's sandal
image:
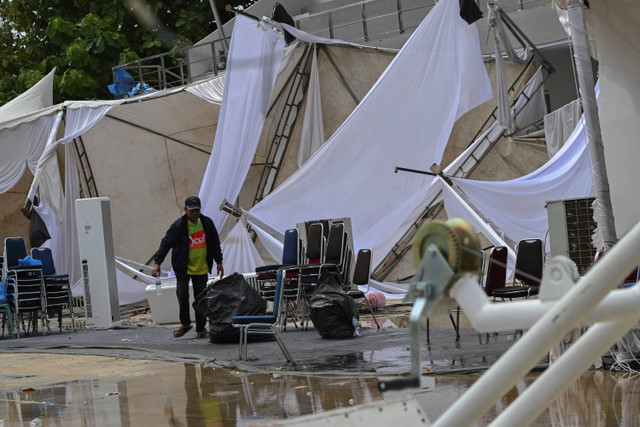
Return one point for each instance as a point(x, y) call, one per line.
point(181, 330)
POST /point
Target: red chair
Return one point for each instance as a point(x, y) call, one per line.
point(496, 270)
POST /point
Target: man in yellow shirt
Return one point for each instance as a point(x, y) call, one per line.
point(195, 244)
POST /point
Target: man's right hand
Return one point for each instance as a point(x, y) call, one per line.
point(155, 270)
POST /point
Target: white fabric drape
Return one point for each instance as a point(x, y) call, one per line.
point(559, 125)
point(81, 119)
point(130, 290)
point(501, 42)
point(312, 134)
point(47, 174)
point(37, 97)
point(273, 246)
point(211, 90)
point(68, 252)
point(22, 146)
point(529, 111)
point(64, 236)
point(240, 255)
point(254, 59)
point(64, 242)
point(405, 120)
point(50, 188)
point(310, 38)
point(517, 207)
point(504, 118)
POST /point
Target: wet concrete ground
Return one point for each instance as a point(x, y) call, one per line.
point(193, 382)
point(378, 351)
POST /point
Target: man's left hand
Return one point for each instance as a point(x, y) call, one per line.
point(220, 270)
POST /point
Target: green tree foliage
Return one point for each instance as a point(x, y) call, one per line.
point(84, 39)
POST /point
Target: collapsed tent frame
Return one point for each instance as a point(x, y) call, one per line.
point(466, 168)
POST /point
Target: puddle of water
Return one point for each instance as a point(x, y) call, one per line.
point(194, 395)
point(597, 398)
point(186, 394)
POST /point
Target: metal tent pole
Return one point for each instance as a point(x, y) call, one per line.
point(216, 16)
point(603, 210)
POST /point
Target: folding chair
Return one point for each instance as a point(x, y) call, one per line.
point(333, 258)
point(290, 256)
point(57, 289)
point(263, 324)
point(28, 295)
point(336, 256)
point(361, 275)
point(528, 271)
point(306, 273)
point(496, 277)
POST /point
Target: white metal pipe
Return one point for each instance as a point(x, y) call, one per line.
point(486, 316)
point(567, 313)
point(563, 372)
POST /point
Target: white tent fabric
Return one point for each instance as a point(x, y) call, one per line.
point(273, 246)
point(77, 122)
point(312, 135)
point(22, 146)
point(210, 91)
point(528, 112)
point(501, 41)
point(50, 189)
point(404, 120)
point(504, 118)
point(559, 125)
point(517, 207)
point(136, 115)
point(38, 97)
point(240, 255)
point(64, 237)
point(310, 38)
point(390, 290)
point(130, 290)
point(68, 254)
point(456, 206)
point(254, 59)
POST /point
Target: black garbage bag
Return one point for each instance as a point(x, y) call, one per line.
point(38, 233)
point(228, 297)
point(332, 310)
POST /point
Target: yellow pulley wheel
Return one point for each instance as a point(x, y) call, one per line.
point(471, 255)
point(438, 233)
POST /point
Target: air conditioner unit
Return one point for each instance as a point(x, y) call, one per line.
point(95, 242)
point(571, 226)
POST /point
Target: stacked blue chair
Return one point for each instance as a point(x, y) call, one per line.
point(57, 289)
point(26, 276)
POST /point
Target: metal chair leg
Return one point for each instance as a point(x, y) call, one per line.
point(371, 311)
point(284, 349)
point(241, 343)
